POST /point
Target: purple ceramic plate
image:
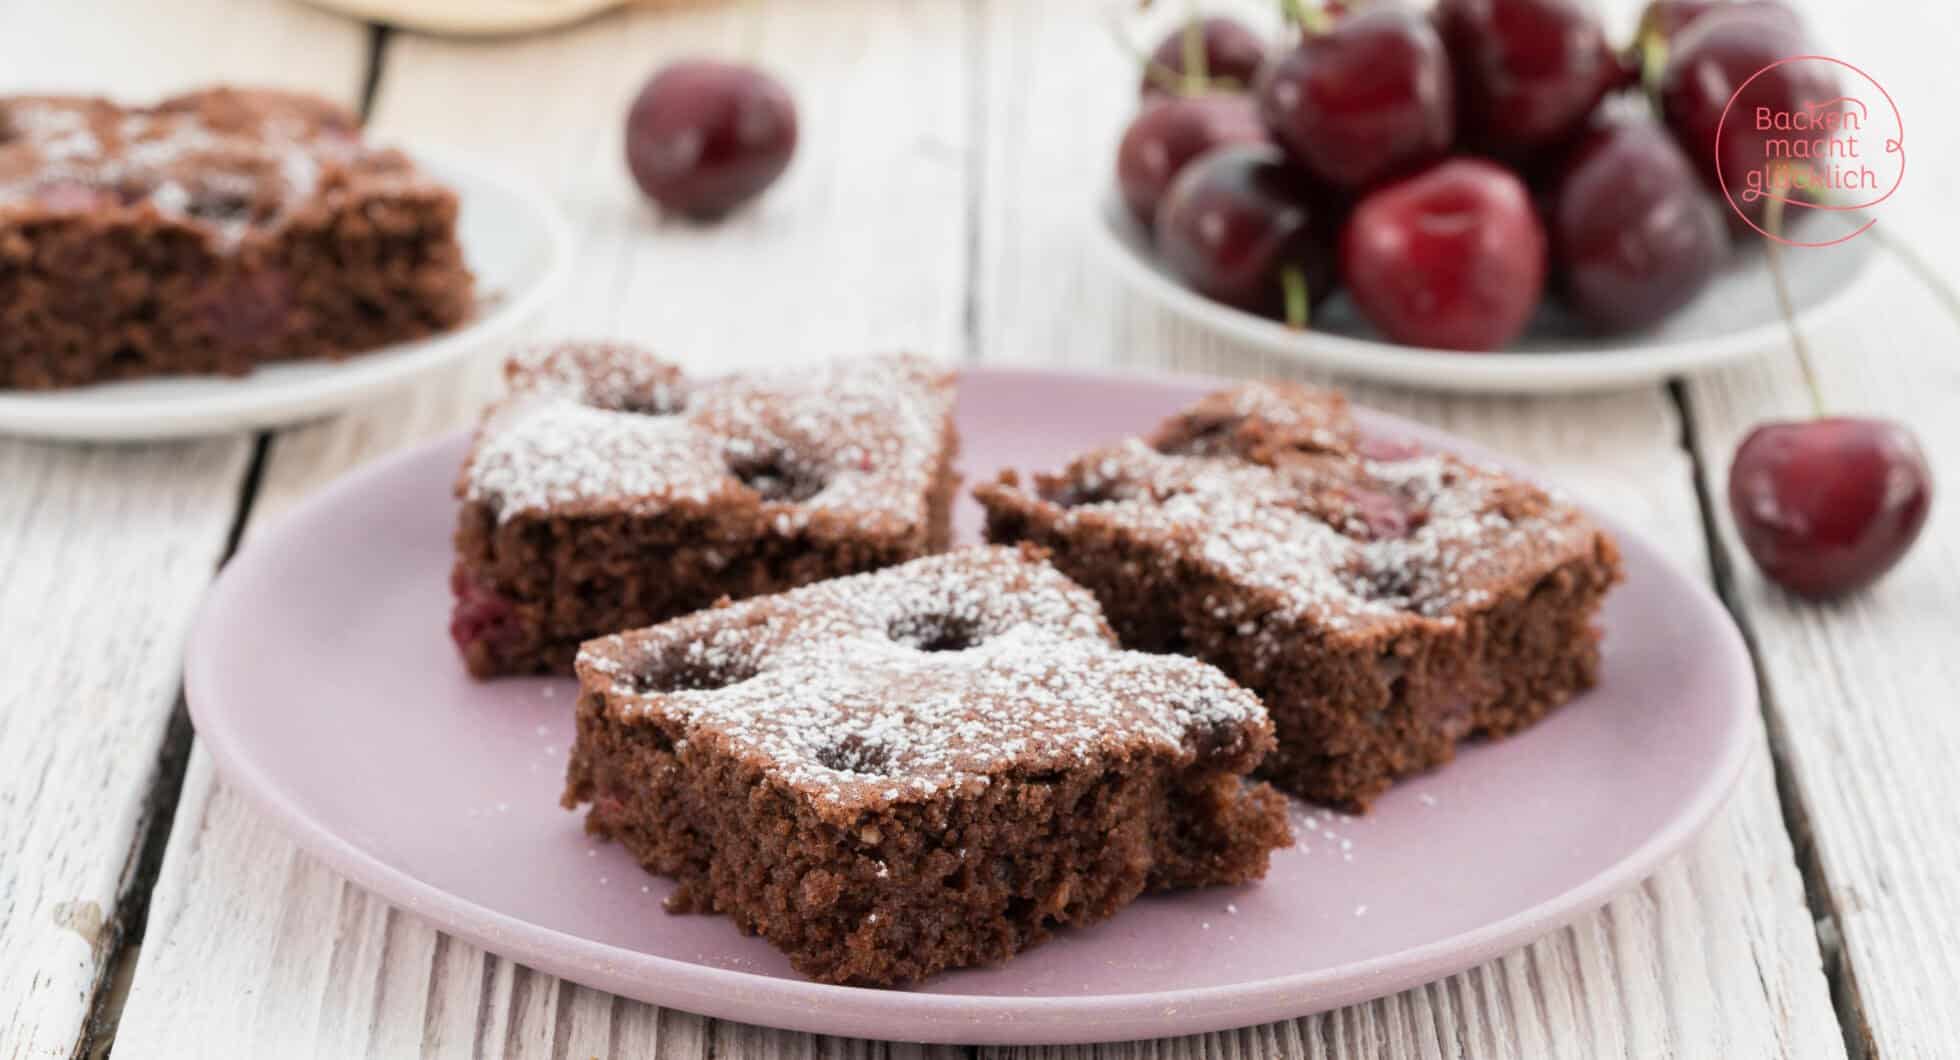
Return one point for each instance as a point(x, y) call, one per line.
point(322, 680)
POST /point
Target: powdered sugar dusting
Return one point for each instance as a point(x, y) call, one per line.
point(943, 672)
point(226, 161)
point(550, 452)
point(608, 427)
point(1332, 537)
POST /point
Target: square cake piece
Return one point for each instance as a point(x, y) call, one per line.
point(609, 491)
point(209, 234)
point(1385, 603)
point(927, 767)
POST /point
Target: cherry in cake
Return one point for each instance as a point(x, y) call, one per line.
point(1386, 603)
point(932, 766)
point(210, 233)
point(610, 491)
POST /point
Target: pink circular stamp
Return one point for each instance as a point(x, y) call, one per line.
point(1845, 154)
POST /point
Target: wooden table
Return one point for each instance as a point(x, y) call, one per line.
point(950, 153)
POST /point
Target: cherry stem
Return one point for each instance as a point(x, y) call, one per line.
point(1311, 20)
point(1162, 76)
point(1773, 223)
point(1293, 285)
point(1653, 61)
point(1195, 71)
point(1917, 264)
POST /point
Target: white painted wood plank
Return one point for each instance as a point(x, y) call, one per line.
point(861, 247)
point(1638, 980)
point(1861, 693)
point(1716, 955)
point(104, 552)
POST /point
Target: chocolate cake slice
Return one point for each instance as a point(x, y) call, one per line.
point(209, 234)
point(610, 491)
point(1385, 603)
point(928, 767)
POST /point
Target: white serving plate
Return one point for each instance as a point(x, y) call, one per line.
point(514, 240)
point(1736, 317)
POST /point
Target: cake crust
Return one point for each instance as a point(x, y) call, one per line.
point(931, 766)
point(210, 233)
point(1386, 603)
point(610, 491)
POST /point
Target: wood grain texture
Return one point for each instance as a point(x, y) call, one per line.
point(1861, 693)
point(256, 950)
point(105, 551)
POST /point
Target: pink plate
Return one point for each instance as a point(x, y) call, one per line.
point(322, 680)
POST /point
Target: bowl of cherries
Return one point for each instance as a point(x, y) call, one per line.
point(1478, 195)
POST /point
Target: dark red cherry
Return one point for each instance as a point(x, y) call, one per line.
point(1366, 100)
point(1170, 132)
point(1528, 72)
point(1709, 62)
point(1233, 55)
point(1827, 506)
point(1453, 257)
point(480, 615)
point(1634, 234)
point(705, 137)
point(1242, 227)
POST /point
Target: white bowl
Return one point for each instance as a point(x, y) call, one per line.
point(1735, 317)
point(514, 240)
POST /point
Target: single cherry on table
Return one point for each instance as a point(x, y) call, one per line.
point(1528, 71)
point(1168, 133)
point(1243, 227)
point(1452, 257)
point(1827, 506)
point(1369, 98)
point(1634, 234)
point(1231, 52)
point(704, 137)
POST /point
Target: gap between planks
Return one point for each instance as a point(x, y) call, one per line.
point(1333, 1032)
point(131, 918)
point(1839, 973)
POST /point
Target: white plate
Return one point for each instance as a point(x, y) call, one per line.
point(470, 17)
point(514, 240)
point(1734, 318)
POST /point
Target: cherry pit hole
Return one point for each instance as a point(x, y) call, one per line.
point(692, 675)
point(937, 633)
point(855, 754)
point(777, 479)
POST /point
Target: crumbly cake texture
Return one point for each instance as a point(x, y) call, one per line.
point(927, 767)
point(208, 234)
point(610, 491)
point(1386, 603)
